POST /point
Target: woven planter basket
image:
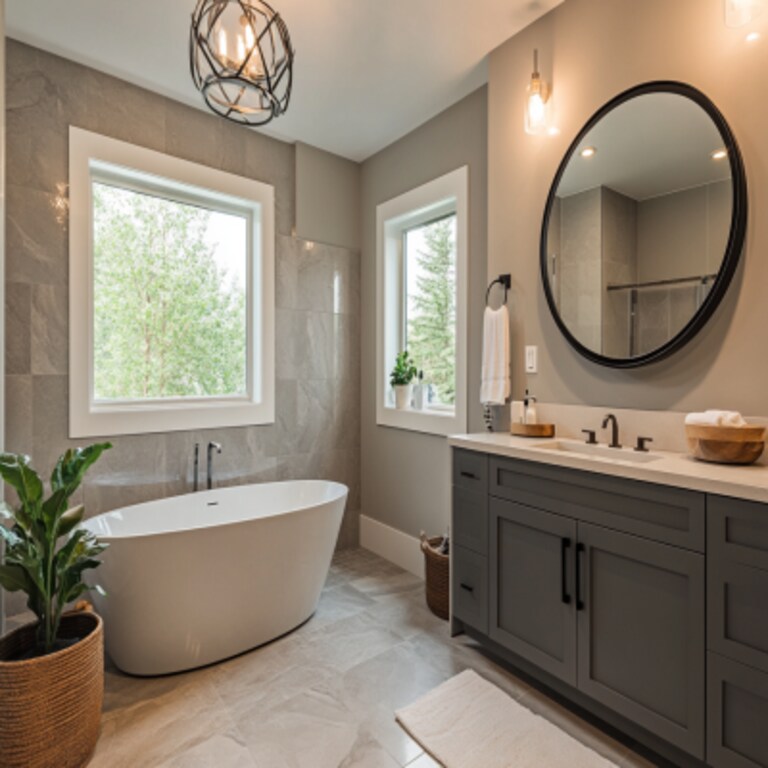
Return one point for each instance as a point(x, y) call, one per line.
point(50, 707)
point(437, 571)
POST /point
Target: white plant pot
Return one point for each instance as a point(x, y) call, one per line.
point(403, 395)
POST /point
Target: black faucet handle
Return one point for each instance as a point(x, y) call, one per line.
point(641, 443)
point(591, 436)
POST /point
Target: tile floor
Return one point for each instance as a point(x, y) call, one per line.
point(322, 697)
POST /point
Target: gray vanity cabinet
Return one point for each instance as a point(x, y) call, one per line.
point(532, 610)
point(641, 632)
point(597, 581)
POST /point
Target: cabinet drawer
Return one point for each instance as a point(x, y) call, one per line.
point(470, 520)
point(737, 713)
point(470, 588)
point(470, 470)
point(738, 530)
point(664, 514)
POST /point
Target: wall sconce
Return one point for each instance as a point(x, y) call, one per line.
point(741, 12)
point(538, 103)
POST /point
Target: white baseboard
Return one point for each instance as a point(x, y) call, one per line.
point(393, 545)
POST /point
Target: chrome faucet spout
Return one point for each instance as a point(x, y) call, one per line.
point(211, 448)
point(613, 421)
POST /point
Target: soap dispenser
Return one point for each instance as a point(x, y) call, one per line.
point(530, 408)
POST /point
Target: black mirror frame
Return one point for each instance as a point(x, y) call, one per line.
point(733, 248)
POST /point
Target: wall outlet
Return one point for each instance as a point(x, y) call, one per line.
point(532, 359)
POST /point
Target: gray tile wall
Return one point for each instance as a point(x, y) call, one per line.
point(317, 429)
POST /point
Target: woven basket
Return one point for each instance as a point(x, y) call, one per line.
point(50, 707)
point(437, 576)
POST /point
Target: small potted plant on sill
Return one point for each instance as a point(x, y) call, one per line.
point(401, 379)
point(52, 670)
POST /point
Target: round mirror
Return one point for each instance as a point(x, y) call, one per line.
point(644, 225)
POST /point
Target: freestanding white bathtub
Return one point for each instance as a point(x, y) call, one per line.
point(195, 579)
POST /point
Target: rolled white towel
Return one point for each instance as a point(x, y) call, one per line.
point(730, 418)
point(709, 419)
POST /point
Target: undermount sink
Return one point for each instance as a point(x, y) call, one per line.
point(602, 452)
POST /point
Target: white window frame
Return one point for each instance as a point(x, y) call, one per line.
point(447, 194)
point(93, 157)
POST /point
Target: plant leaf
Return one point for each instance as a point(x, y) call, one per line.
point(15, 470)
point(14, 578)
point(71, 519)
point(72, 466)
point(12, 539)
point(53, 507)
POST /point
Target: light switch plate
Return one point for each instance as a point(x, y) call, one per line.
point(531, 359)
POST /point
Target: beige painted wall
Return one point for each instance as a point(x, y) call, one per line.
point(327, 197)
point(591, 50)
point(406, 475)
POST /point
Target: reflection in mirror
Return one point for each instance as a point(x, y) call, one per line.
point(639, 225)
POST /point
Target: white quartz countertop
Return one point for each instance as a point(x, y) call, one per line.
point(674, 469)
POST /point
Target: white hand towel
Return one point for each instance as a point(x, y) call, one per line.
point(495, 386)
point(714, 418)
point(710, 419)
point(730, 418)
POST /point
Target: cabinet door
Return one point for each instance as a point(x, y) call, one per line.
point(641, 633)
point(737, 580)
point(737, 703)
point(532, 605)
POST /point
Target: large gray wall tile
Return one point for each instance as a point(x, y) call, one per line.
point(18, 323)
point(50, 336)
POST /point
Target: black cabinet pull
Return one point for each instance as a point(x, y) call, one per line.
point(469, 475)
point(565, 544)
point(467, 587)
point(580, 548)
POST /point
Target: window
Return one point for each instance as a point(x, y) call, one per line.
point(422, 299)
point(171, 283)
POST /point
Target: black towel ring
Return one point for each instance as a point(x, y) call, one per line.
point(503, 280)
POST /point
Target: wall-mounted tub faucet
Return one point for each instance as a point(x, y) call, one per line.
point(211, 448)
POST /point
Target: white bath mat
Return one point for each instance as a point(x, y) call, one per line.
point(469, 723)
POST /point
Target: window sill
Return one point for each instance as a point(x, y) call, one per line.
point(165, 417)
point(431, 422)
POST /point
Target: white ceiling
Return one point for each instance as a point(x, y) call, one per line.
point(366, 71)
point(652, 145)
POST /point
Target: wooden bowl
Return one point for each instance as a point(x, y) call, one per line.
point(532, 430)
point(725, 445)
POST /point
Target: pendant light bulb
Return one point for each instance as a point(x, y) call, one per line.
point(538, 102)
point(741, 12)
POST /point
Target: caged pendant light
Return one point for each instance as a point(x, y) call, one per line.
point(241, 59)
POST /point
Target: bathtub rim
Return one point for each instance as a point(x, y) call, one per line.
point(341, 494)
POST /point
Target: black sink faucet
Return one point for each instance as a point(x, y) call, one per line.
point(610, 418)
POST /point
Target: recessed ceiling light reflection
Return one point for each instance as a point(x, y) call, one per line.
point(719, 154)
point(753, 37)
point(588, 152)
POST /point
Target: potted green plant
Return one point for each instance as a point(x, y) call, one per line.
point(401, 379)
point(52, 670)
